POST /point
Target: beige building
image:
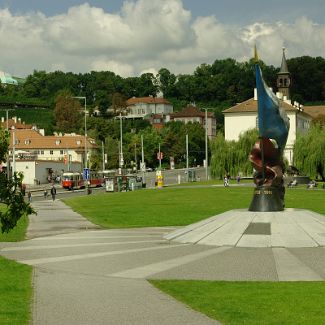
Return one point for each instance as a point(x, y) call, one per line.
point(139, 107)
point(39, 156)
point(243, 117)
point(193, 114)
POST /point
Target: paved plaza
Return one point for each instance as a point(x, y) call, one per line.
point(85, 275)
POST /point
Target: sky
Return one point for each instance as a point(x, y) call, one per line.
point(132, 37)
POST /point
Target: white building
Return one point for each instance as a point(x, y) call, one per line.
point(39, 156)
point(139, 107)
point(243, 117)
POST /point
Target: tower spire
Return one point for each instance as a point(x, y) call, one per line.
point(284, 66)
point(284, 78)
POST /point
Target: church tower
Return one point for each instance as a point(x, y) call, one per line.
point(284, 78)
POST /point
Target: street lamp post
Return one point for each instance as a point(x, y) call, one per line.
point(206, 144)
point(85, 99)
point(121, 160)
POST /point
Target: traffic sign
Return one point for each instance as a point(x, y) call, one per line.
point(86, 174)
point(160, 155)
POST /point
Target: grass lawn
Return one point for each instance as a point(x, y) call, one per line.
point(178, 206)
point(252, 302)
point(15, 292)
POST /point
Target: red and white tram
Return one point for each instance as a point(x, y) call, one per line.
point(71, 180)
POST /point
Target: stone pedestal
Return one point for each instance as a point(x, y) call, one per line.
point(266, 199)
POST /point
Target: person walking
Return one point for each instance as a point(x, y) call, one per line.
point(53, 192)
point(226, 181)
point(45, 193)
point(29, 195)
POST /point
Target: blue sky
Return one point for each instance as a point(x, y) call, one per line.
point(136, 36)
point(232, 11)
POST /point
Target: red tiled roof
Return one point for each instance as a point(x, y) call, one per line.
point(147, 100)
point(191, 111)
point(38, 141)
point(314, 111)
point(17, 125)
point(250, 105)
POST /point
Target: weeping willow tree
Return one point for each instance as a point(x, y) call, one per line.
point(231, 157)
point(309, 152)
point(243, 147)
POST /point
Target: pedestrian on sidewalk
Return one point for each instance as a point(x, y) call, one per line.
point(45, 193)
point(53, 192)
point(29, 195)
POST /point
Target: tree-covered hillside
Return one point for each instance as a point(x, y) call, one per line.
point(222, 83)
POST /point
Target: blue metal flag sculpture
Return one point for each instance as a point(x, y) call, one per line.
point(273, 122)
point(267, 153)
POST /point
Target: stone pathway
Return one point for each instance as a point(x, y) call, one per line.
point(85, 275)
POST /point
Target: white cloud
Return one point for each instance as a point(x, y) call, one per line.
point(145, 35)
point(124, 70)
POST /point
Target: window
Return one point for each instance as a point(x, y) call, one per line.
point(27, 141)
point(61, 152)
point(78, 142)
point(51, 152)
point(57, 142)
point(42, 152)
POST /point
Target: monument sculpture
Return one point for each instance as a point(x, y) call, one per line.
point(267, 153)
point(266, 223)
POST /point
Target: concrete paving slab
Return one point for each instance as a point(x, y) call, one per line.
point(85, 275)
point(54, 217)
point(68, 299)
point(290, 268)
point(289, 228)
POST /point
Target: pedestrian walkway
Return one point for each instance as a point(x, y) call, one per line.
point(74, 262)
point(93, 276)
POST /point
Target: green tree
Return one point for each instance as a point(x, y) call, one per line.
point(11, 195)
point(308, 77)
point(232, 156)
point(112, 151)
point(222, 153)
point(166, 82)
point(243, 147)
point(67, 113)
point(308, 152)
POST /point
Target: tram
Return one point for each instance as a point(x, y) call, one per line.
point(72, 180)
point(75, 180)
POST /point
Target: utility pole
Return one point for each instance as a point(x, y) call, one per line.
point(7, 120)
point(135, 156)
point(206, 144)
point(8, 161)
point(121, 160)
point(143, 166)
point(13, 151)
point(103, 156)
point(187, 157)
point(159, 155)
point(86, 154)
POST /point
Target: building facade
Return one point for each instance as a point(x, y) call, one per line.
point(243, 116)
point(39, 156)
point(139, 107)
point(193, 114)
